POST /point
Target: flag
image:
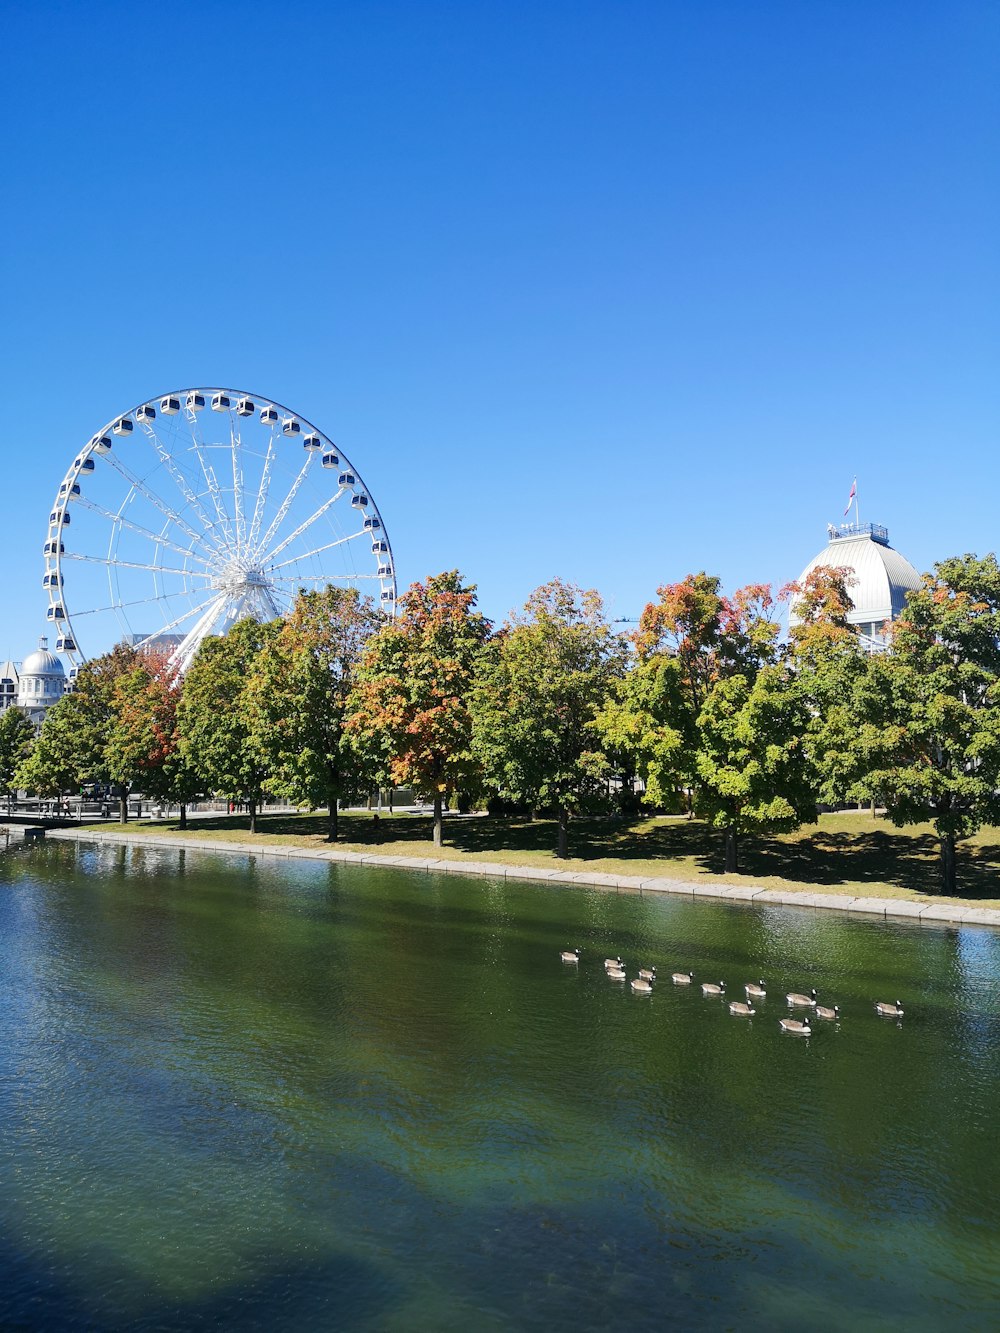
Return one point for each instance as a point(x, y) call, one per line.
point(852, 496)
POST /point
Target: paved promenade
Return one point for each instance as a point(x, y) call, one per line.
point(932, 913)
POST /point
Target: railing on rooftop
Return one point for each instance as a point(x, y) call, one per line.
point(874, 530)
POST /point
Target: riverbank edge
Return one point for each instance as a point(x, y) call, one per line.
point(940, 914)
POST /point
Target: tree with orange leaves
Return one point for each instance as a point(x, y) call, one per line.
point(144, 742)
point(409, 708)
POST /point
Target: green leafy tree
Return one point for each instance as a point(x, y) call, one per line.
point(73, 745)
point(830, 664)
point(927, 737)
point(538, 692)
point(17, 740)
point(298, 694)
point(214, 715)
point(409, 709)
point(755, 774)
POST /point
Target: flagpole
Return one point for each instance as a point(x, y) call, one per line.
point(857, 508)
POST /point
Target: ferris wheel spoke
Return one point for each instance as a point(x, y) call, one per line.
point(286, 504)
point(139, 485)
point(157, 538)
point(182, 484)
point(327, 504)
point(211, 481)
point(119, 605)
point(234, 444)
point(323, 578)
point(262, 493)
point(341, 541)
point(135, 564)
point(216, 598)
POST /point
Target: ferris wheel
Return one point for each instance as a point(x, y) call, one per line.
point(198, 509)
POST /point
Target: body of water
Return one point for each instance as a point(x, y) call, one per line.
point(284, 1096)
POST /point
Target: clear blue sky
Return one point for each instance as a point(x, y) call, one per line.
point(612, 291)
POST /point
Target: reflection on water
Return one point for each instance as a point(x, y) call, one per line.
point(283, 1095)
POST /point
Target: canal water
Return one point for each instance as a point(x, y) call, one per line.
point(283, 1096)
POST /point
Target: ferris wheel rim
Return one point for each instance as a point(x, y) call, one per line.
point(272, 600)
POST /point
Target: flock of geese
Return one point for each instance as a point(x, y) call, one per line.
point(643, 982)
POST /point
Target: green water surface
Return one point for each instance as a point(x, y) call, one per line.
point(296, 1095)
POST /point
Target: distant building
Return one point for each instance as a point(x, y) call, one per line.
point(8, 685)
point(41, 682)
point(882, 577)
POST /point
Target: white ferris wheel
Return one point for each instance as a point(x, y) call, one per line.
point(198, 509)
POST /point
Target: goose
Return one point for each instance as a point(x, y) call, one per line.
point(616, 973)
point(647, 973)
point(889, 1010)
point(713, 988)
point(613, 962)
point(794, 1026)
point(756, 990)
point(742, 1010)
point(796, 997)
point(641, 985)
point(570, 955)
point(682, 978)
point(824, 1011)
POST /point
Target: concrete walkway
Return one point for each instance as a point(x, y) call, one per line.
point(890, 908)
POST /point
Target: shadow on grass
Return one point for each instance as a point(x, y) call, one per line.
point(829, 857)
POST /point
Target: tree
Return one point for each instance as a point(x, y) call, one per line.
point(73, 745)
point(17, 740)
point(214, 717)
point(829, 662)
point(144, 741)
point(298, 693)
point(927, 736)
point(753, 766)
point(409, 708)
point(538, 692)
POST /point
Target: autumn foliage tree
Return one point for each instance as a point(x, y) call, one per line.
point(144, 741)
point(409, 708)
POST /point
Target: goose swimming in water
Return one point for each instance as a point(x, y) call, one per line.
point(713, 988)
point(794, 1026)
point(641, 985)
point(756, 990)
point(796, 997)
point(613, 962)
point(889, 1010)
point(615, 973)
point(647, 973)
point(570, 955)
point(742, 1010)
point(682, 978)
point(824, 1011)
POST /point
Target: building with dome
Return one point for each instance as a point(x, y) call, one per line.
point(39, 684)
point(882, 577)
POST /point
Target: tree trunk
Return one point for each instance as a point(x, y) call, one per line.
point(331, 828)
point(123, 808)
point(562, 847)
point(390, 800)
point(732, 851)
point(183, 822)
point(252, 806)
point(949, 877)
point(438, 818)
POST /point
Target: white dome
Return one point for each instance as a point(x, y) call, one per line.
point(42, 663)
point(882, 577)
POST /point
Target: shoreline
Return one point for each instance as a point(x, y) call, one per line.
point(940, 914)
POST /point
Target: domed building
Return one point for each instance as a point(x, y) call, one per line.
point(882, 577)
point(41, 682)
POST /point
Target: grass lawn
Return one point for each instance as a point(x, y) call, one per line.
point(843, 853)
